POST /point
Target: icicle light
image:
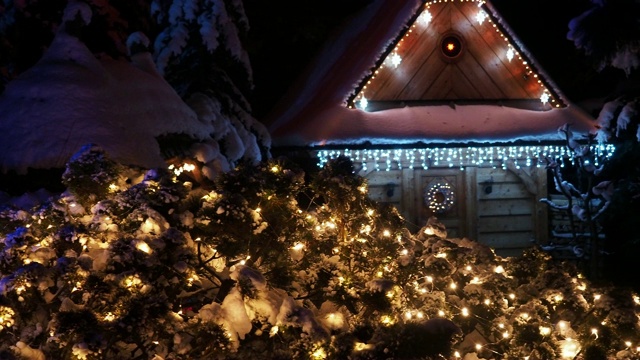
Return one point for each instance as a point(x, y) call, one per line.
point(490, 156)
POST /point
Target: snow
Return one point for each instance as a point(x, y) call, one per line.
point(72, 98)
point(314, 112)
point(432, 124)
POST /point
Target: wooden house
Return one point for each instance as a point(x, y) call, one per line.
point(443, 110)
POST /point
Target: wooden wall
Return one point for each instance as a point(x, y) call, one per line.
point(494, 206)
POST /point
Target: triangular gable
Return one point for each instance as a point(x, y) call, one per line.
point(459, 51)
point(319, 110)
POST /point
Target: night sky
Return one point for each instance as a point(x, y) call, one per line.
point(285, 35)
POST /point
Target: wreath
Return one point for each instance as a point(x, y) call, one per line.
point(439, 197)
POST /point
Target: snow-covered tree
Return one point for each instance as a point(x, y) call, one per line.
point(606, 193)
point(278, 264)
point(98, 83)
point(200, 51)
point(609, 33)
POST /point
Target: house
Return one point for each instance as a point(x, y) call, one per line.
point(444, 111)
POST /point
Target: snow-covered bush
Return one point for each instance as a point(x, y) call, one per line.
point(278, 264)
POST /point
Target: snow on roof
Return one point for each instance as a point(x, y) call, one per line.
point(314, 111)
point(433, 124)
point(70, 98)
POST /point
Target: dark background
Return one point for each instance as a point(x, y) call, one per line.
point(285, 35)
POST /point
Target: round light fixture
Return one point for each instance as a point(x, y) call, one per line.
point(451, 46)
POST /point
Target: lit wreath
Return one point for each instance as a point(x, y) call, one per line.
point(439, 197)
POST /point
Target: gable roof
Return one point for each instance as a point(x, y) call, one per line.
point(392, 55)
point(453, 51)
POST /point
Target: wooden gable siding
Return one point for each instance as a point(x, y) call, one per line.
point(481, 72)
point(493, 206)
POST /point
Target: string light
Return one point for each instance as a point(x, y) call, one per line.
point(462, 157)
point(424, 19)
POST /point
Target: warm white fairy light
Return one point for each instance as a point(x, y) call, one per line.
point(6, 317)
point(109, 317)
point(569, 348)
point(319, 354)
point(143, 246)
point(408, 315)
point(545, 330)
point(274, 330)
point(359, 346)
point(180, 169)
point(386, 320)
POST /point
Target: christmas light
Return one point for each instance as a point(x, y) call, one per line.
point(544, 330)
point(109, 317)
point(319, 354)
point(480, 16)
point(424, 19)
point(460, 157)
point(569, 348)
point(544, 98)
point(143, 246)
point(363, 103)
point(395, 59)
point(510, 54)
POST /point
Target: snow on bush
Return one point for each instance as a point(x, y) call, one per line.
point(130, 278)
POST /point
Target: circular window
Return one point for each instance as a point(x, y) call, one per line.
point(451, 46)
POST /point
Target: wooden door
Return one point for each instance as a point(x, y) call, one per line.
point(441, 193)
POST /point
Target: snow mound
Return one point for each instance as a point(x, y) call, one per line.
point(71, 98)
